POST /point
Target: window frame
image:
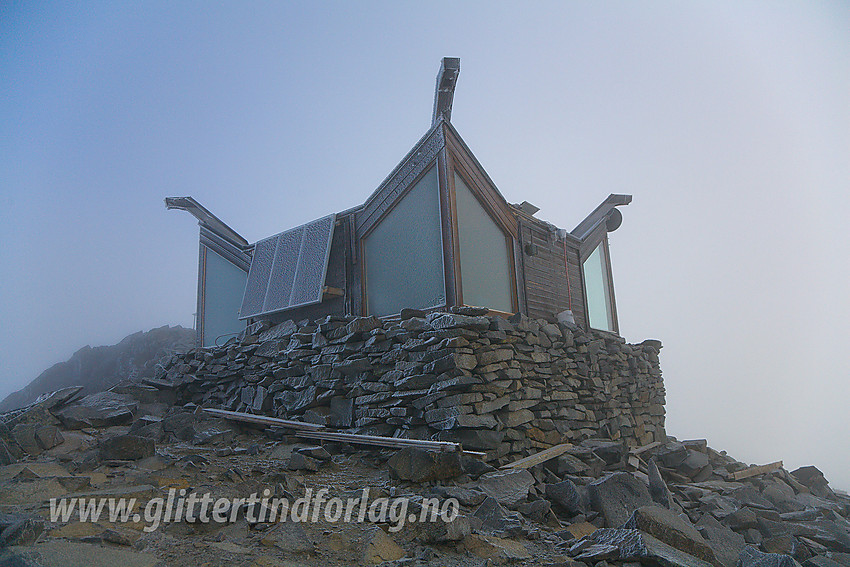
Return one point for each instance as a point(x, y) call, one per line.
point(609, 283)
point(474, 183)
point(364, 301)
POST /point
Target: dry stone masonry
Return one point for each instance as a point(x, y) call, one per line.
point(504, 386)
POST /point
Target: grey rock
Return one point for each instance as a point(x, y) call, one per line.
point(566, 495)
point(672, 454)
point(440, 531)
point(180, 425)
point(24, 435)
point(419, 465)
point(726, 544)
point(25, 531)
point(318, 452)
point(617, 496)
point(464, 496)
point(474, 467)
point(695, 462)
point(342, 412)
point(301, 462)
point(752, 557)
point(278, 332)
point(536, 510)
point(821, 561)
point(102, 409)
point(126, 448)
point(632, 545)
point(492, 515)
point(452, 321)
point(612, 452)
point(508, 487)
point(48, 436)
point(672, 529)
point(813, 478)
point(657, 487)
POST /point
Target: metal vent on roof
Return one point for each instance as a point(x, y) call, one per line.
point(288, 270)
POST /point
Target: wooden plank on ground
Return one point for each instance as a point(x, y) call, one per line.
point(753, 471)
point(541, 457)
point(262, 419)
point(645, 448)
point(316, 431)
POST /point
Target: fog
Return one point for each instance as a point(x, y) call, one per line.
point(728, 122)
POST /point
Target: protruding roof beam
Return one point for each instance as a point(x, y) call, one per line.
point(445, 91)
point(207, 219)
point(605, 212)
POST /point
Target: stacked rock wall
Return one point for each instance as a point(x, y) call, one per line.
point(505, 386)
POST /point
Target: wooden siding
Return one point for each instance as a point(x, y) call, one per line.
point(576, 286)
point(546, 288)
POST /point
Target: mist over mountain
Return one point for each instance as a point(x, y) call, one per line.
point(99, 368)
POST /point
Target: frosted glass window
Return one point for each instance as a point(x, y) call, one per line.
point(485, 266)
point(404, 253)
point(224, 285)
point(596, 285)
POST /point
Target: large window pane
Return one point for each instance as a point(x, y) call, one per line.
point(404, 253)
point(224, 285)
point(484, 263)
point(596, 285)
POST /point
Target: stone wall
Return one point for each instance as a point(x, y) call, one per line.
point(505, 386)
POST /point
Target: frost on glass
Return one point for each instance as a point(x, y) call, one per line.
point(258, 277)
point(312, 262)
point(403, 253)
point(224, 285)
point(282, 276)
point(485, 267)
point(595, 270)
point(288, 269)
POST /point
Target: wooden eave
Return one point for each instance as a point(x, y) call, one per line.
point(402, 178)
point(479, 181)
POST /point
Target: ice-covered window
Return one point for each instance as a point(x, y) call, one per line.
point(404, 253)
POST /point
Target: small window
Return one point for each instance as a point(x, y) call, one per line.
point(597, 285)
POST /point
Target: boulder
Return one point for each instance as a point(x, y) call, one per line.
point(726, 544)
point(301, 462)
point(419, 465)
point(812, 478)
point(631, 545)
point(497, 551)
point(612, 452)
point(441, 531)
point(617, 496)
point(657, 487)
point(672, 529)
point(126, 448)
point(752, 557)
point(102, 409)
point(566, 496)
point(508, 487)
point(491, 514)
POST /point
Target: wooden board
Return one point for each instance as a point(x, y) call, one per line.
point(541, 457)
point(753, 471)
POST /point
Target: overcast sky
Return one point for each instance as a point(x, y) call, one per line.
point(728, 122)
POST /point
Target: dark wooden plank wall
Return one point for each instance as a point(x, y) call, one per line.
point(547, 288)
point(575, 285)
point(545, 274)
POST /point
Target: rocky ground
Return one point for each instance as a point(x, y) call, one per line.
point(599, 503)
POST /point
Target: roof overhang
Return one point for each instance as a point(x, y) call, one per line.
point(207, 219)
